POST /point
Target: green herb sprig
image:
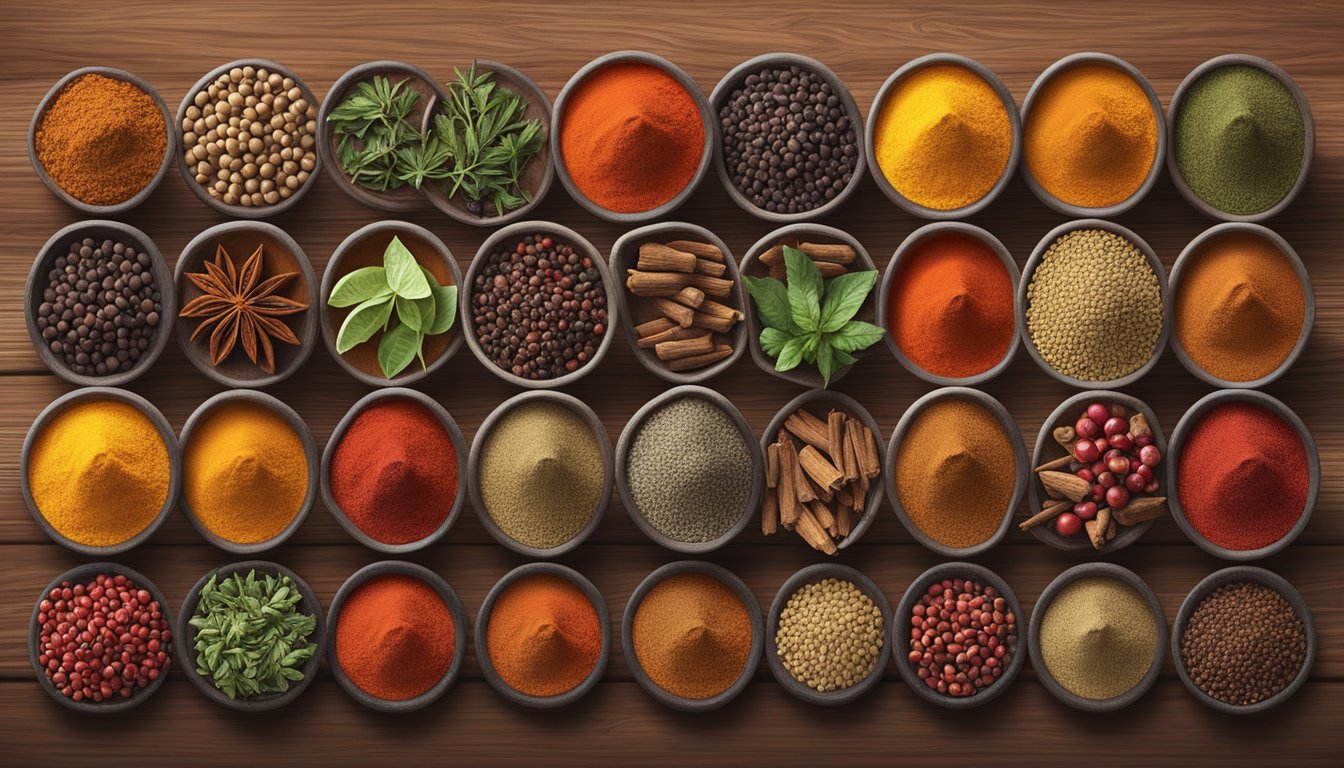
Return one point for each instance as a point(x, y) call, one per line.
point(377, 145)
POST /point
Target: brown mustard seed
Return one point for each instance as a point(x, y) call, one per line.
point(1243, 644)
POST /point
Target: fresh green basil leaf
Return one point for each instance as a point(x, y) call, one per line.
point(445, 303)
point(360, 285)
point(825, 363)
point(397, 349)
point(362, 322)
point(856, 335)
point(804, 284)
point(771, 298)
point(408, 312)
point(810, 342)
point(844, 296)
point(420, 351)
point(842, 358)
point(773, 341)
point(403, 272)
point(791, 355)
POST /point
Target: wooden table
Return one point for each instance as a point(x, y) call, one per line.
point(171, 46)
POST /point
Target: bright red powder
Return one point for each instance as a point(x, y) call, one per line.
point(395, 637)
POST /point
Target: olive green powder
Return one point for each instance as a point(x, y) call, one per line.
point(1098, 637)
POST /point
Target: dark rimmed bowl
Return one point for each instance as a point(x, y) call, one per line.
point(170, 149)
point(804, 375)
point(1005, 419)
point(1028, 272)
point(295, 422)
point(707, 121)
point(483, 645)
point(400, 568)
point(632, 429)
point(83, 573)
point(903, 254)
point(184, 636)
point(900, 634)
point(59, 245)
point(1159, 155)
point(1233, 575)
point(1193, 251)
point(1066, 415)
point(1042, 607)
point(724, 91)
point(625, 255)
point(1182, 432)
point(58, 406)
point(841, 402)
point(728, 579)
point(870, 136)
point(1308, 124)
point(800, 579)
point(337, 435)
point(357, 251)
point(188, 172)
point(473, 474)
point(516, 232)
point(281, 254)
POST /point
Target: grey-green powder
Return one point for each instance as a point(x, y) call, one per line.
point(1098, 637)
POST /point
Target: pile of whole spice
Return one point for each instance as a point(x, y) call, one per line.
point(962, 636)
point(102, 639)
point(789, 145)
point(395, 637)
point(101, 308)
point(1098, 637)
point(1094, 306)
point(539, 308)
point(102, 140)
point(672, 282)
point(544, 636)
point(692, 635)
point(830, 635)
point(1243, 644)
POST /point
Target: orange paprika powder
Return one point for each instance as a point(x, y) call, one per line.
point(543, 636)
point(395, 637)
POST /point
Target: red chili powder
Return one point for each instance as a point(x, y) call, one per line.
point(394, 473)
point(1243, 476)
point(395, 637)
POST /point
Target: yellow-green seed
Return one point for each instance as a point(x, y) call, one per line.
point(830, 635)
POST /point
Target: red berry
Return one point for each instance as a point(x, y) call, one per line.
point(1143, 438)
point(1117, 497)
point(1150, 455)
point(1135, 483)
point(1086, 474)
point(1123, 441)
point(1115, 426)
point(1086, 451)
point(1098, 413)
point(1087, 428)
point(1085, 510)
point(1108, 479)
point(1068, 524)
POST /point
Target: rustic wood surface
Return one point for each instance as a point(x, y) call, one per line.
point(170, 45)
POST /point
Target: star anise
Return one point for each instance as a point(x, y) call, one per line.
point(240, 305)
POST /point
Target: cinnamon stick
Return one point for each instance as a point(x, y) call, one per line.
point(676, 350)
point(690, 297)
point(681, 315)
point(655, 283)
point(700, 361)
point(1051, 511)
point(802, 487)
point(718, 287)
point(656, 325)
point(869, 464)
point(769, 513)
point(830, 269)
point(703, 250)
point(813, 533)
point(844, 522)
point(821, 470)
point(809, 429)
point(835, 253)
point(675, 333)
point(849, 448)
point(1060, 463)
point(711, 268)
point(712, 322)
point(788, 466)
point(835, 435)
point(772, 465)
point(710, 307)
point(1141, 510)
point(823, 515)
point(656, 257)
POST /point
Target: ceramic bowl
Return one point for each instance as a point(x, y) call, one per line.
point(483, 645)
point(632, 429)
point(1181, 434)
point(625, 256)
point(662, 695)
point(93, 394)
point(1308, 124)
point(890, 86)
point(83, 574)
point(1109, 211)
point(459, 448)
point(364, 248)
point(170, 148)
point(558, 122)
point(810, 575)
point(1029, 271)
point(723, 93)
point(399, 568)
point(59, 245)
point(1005, 419)
point(1042, 607)
point(473, 473)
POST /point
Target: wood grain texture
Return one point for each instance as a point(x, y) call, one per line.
point(172, 45)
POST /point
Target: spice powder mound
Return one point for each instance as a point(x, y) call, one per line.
point(544, 636)
point(1098, 637)
point(692, 635)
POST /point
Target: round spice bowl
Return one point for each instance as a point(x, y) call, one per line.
point(724, 91)
point(1192, 252)
point(1038, 255)
point(739, 588)
point(625, 256)
point(907, 421)
point(338, 434)
point(239, 239)
point(870, 136)
point(482, 644)
point(473, 470)
point(364, 248)
point(1181, 434)
point(1308, 125)
point(296, 422)
point(910, 246)
point(170, 149)
point(558, 120)
point(900, 634)
point(58, 245)
point(1038, 612)
point(438, 584)
point(514, 233)
point(184, 635)
point(1110, 211)
point(793, 234)
point(82, 574)
point(1235, 575)
point(189, 173)
point(810, 575)
point(93, 394)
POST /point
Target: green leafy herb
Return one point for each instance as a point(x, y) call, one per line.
point(377, 145)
